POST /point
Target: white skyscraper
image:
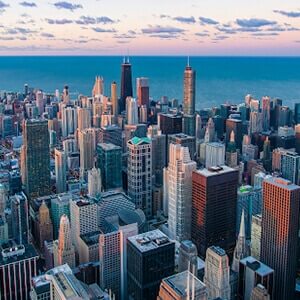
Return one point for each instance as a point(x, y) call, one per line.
point(132, 111)
point(60, 170)
point(40, 102)
point(217, 273)
point(179, 186)
point(94, 182)
point(68, 120)
point(215, 154)
point(210, 131)
point(140, 173)
point(63, 249)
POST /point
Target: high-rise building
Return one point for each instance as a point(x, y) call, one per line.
point(126, 83)
point(60, 170)
point(188, 257)
point(185, 141)
point(66, 95)
point(266, 107)
point(68, 120)
point(60, 205)
point(139, 170)
point(170, 123)
point(256, 236)
point(94, 182)
point(84, 218)
point(217, 273)
point(87, 148)
point(63, 249)
point(150, 258)
point(214, 154)
point(142, 91)
point(241, 249)
point(251, 273)
point(18, 265)
point(98, 88)
point(109, 161)
point(214, 199)
point(45, 226)
point(231, 152)
point(260, 293)
point(280, 218)
point(182, 286)
point(290, 166)
point(84, 118)
point(19, 216)
point(114, 100)
point(35, 153)
point(179, 186)
point(132, 111)
point(113, 259)
point(237, 127)
point(189, 90)
point(209, 131)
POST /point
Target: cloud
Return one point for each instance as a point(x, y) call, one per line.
point(67, 5)
point(164, 36)
point(202, 34)
point(254, 22)
point(188, 20)
point(19, 30)
point(3, 5)
point(28, 4)
point(220, 38)
point(290, 14)
point(163, 16)
point(162, 29)
point(208, 21)
point(59, 21)
point(124, 36)
point(47, 35)
point(86, 20)
point(265, 34)
point(227, 29)
point(98, 29)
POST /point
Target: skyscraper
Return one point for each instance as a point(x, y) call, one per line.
point(126, 83)
point(290, 165)
point(179, 186)
point(150, 258)
point(114, 100)
point(142, 91)
point(132, 111)
point(214, 199)
point(280, 220)
point(217, 273)
point(109, 162)
point(260, 293)
point(68, 120)
point(189, 90)
point(19, 215)
point(188, 257)
point(214, 154)
point(94, 182)
point(60, 170)
point(63, 250)
point(87, 148)
point(139, 170)
point(98, 88)
point(266, 107)
point(45, 226)
point(231, 153)
point(256, 236)
point(84, 118)
point(35, 153)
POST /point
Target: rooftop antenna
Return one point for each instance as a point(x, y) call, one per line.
point(188, 61)
point(127, 55)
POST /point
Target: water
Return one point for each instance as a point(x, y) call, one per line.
point(219, 79)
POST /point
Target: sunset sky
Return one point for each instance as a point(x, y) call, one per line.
point(153, 27)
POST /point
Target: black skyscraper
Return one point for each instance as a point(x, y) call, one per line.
point(126, 84)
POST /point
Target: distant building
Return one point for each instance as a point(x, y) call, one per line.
point(126, 84)
point(188, 257)
point(256, 236)
point(215, 154)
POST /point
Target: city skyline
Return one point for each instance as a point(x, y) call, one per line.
point(170, 28)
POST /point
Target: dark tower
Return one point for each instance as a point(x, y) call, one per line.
point(126, 83)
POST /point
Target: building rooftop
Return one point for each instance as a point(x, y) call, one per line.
point(218, 250)
point(179, 282)
point(91, 238)
point(149, 240)
point(212, 171)
point(282, 183)
point(139, 141)
point(109, 146)
point(256, 266)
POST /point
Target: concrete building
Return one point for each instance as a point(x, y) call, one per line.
point(179, 187)
point(217, 273)
point(215, 154)
point(60, 170)
point(256, 236)
point(94, 182)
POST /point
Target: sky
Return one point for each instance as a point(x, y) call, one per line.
point(152, 27)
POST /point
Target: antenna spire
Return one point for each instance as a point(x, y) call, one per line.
point(188, 61)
